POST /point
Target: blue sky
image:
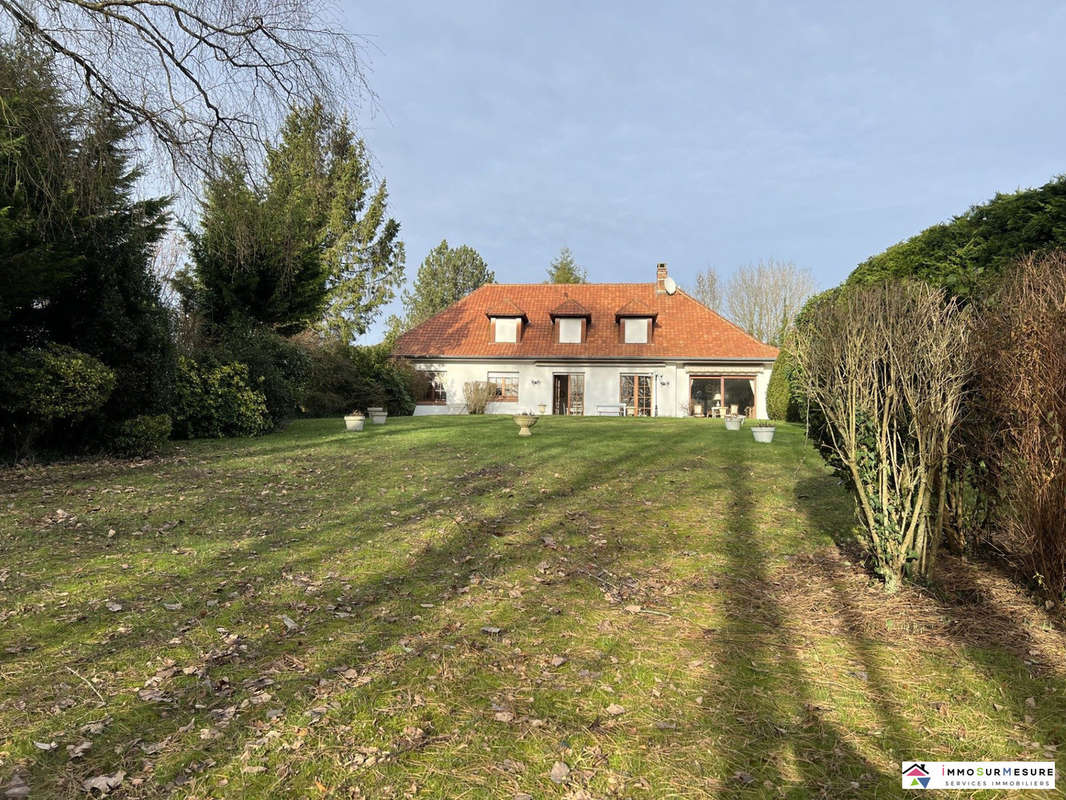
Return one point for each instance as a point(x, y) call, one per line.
point(703, 133)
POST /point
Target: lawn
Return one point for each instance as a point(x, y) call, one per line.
point(440, 609)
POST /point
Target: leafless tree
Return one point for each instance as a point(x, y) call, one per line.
point(764, 298)
point(888, 366)
point(202, 78)
point(708, 289)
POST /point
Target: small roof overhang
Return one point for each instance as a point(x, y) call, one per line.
point(506, 309)
point(570, 308)
point(635, 308)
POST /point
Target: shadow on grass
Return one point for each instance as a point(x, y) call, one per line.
point(442, 564)
point(992, 631)
point(786, 744)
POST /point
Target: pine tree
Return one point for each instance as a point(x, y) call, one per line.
point(447, 275)
point(564, 269)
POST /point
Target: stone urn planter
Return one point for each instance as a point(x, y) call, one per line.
point(734, 423)
point(763, 433)
point(524, 423)
point(378, 415)
point(354, 422)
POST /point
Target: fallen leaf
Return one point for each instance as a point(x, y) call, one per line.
point(559, 772)
point(172, 606)
point(504, 716)
point(1030, 702)
point(78, 750)
point(46, 746)
point(558, 661)
point(112, 606)
point(17, 786)
point(491, 630)
point(290, 625)
point(104, 783)
point(614, 709)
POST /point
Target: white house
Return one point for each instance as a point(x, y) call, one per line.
point(642, 349)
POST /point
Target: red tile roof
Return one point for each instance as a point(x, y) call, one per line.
point(504, 307)
point(684, 328)
point(569, 308)
point(635, 308)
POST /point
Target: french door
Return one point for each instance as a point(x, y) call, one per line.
point(568, 394)
point(635, 393)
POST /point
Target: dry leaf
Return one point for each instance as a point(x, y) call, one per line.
point(46, 746)
point(559, 772)
point(104, 783)
point(614, 709)
point(504, 716)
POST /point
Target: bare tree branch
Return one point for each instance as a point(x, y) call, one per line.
point(201, 78)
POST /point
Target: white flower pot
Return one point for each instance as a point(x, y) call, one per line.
point(378, 417)
point(764, 434)
point(354, 422)
point(734, 423)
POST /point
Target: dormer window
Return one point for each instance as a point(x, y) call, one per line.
point(506, 320)
point(636, 329)
point(571, 320)
point(636, 322)
point(506, 329)
point(569, 330)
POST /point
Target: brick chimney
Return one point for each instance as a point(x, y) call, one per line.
point(660, 279)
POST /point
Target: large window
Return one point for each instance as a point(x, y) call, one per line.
point(506, 329)
point(506, 386)
point(718, 395)
point(636, 329)
point(635, 393)
point(431, 389)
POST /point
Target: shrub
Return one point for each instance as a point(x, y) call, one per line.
point(1021, 367)
point(217, 401)
point(145, 435)
point(888, 367)
point(43, 387)
point(344, 377)
point(781, 402)
point(478, 395)
point(277, 367)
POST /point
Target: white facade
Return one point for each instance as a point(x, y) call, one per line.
point(669, 381)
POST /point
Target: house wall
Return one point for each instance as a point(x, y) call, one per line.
point(670, 384)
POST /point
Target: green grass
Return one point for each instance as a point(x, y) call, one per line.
point(669, 567)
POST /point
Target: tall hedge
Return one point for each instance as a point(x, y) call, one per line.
point(967, 255)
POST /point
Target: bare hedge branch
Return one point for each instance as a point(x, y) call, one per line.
point(888, 366)
point(1022, 379)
